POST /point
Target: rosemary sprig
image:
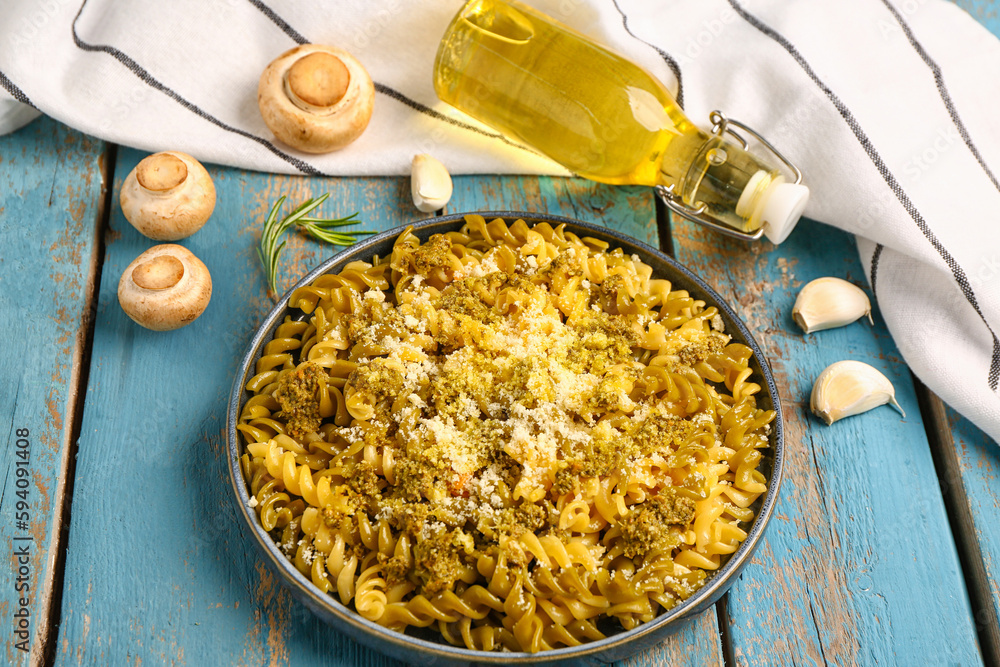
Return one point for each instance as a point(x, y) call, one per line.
point(321, 229)
point(271, 243)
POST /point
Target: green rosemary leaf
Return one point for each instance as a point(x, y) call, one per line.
point(322, 233)
point(269, 249)
point(335, 222)
point(320, 229)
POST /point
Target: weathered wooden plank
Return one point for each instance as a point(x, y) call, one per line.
point(967, 460)
point(979, 461)
point(158, 571)
point(626, 209)
point(50, 198)
point(858, 565)
point(631, 211)
point(984, 11)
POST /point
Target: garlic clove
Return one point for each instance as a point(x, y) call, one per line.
point(849, 388)
point(430, 183)
point(826, 303)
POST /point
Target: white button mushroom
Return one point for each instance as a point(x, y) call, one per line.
point(168, 196)
point(316, 98)
point(165, 288)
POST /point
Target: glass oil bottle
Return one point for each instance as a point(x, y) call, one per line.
point(607, 119)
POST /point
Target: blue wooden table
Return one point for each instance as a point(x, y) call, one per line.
point(122, 544)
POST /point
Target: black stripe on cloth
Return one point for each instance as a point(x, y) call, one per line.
point(667, 58)
point(152, 82)
point(296, 36)
point(876, 256)
point(14, 91)
point(386, 90)
point(957, 272)
point(943, 91)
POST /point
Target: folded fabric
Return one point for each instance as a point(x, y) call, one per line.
point(888, 107)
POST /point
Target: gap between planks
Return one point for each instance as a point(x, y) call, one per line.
point(725, 638)
point(48, 635)
point(721, 608)
point(963, 527)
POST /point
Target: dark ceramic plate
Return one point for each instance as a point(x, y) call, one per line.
point(427, 651)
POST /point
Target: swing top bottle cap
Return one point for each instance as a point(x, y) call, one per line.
point(781, 209)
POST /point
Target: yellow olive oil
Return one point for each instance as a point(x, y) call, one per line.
point(591, 110)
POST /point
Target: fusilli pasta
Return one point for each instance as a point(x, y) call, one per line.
point(512, 435)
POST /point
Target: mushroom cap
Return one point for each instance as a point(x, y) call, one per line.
point(168, 196)
point(316, 98)
point(165, 288)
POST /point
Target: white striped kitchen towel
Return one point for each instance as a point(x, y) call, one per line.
point(888, 106)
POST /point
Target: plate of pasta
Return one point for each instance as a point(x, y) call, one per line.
point(505, 437)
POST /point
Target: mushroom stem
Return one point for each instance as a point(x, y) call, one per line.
point(317, 82)
point(161, 272)
point(161, 172)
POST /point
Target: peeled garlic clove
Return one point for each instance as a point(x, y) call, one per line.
point(826, 303)
point(430, 184)
point(849, 388)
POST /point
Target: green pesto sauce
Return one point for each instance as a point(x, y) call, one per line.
point(433, 255)
point(648, 526)
point(379, 379)
point(450, 521)
point(298, 396)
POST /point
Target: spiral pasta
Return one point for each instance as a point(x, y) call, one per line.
point(511, 435)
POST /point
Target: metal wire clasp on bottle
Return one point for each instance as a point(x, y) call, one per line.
point(722, 125)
